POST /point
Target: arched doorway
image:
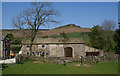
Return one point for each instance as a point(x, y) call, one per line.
point(68, 52)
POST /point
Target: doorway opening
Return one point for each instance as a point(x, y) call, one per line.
point(68, 52)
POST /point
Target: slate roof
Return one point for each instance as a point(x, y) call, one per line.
point(54, 40)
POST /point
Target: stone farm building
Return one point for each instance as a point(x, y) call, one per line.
point(4, 48)
point(52, 47)
point(59, 47)
point(55, 47)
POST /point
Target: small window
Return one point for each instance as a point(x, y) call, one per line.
point(47, 54)
point(28, 45)
point(28, 53)
point(43, 45)
point(37, 53)
point(43, 53)
point(33, 53)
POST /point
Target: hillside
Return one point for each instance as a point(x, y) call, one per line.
point(68, 29)
point(84, 36)
point(47, 32)
point(18, 33)
point(65, 26)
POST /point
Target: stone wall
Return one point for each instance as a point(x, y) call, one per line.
point(57, 50)
point(1, 49)
point(59, 60)
point(104, 58)
point(88, 59)
point(91, 49)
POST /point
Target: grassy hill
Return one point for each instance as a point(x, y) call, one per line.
point(66, 26)
point(70, 28)
point(84, 36)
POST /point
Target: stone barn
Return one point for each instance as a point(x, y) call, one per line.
point(55, 47)
point(4, 48)
point(90, 51)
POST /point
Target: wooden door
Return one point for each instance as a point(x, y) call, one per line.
point(68, 52)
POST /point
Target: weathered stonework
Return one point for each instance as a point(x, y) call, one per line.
point(4, 48)
point(91, 49)
point(56, 48)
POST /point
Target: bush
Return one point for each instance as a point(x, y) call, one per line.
point(21, 59)
point(28, 60)
point(4, 65)
point(15, 49)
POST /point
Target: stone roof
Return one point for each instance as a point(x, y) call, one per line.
point(54, 40)
point(91, 49)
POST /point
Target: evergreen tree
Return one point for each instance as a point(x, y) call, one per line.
point(96, 38)
point(117, 40)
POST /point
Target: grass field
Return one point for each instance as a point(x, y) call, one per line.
point(52, 68)
point(85, 37)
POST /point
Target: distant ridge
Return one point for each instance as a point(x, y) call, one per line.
point(19, 29)
point(69, 25)
point(47, 32)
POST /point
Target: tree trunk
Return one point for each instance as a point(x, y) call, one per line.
point(109, 44)
point(31, 47)
point(31, 43)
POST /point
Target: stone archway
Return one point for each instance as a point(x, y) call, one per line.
point(68, 52)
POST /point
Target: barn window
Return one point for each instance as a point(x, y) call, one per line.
point(47, 54)
point(43, 45)
point(43, 53)
point(37, 53)
point(28, 46)
point(28, 52)
point(33, 53)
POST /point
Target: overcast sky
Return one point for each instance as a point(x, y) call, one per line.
point(84, 14)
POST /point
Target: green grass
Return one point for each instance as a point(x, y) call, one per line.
point(52, 68)
point(85, 37)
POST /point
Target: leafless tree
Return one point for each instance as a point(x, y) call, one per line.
point(108, 27)
point(40, 14)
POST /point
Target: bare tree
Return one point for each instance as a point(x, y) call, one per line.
point(40, 14)
point(108, 27)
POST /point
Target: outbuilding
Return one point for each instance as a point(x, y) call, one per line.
point(55, 47)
